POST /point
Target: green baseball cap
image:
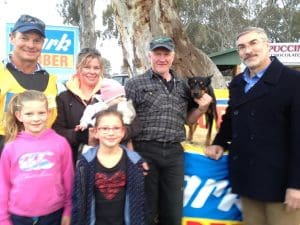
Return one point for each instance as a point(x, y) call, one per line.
point(162, 42)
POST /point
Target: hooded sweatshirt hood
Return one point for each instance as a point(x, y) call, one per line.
point(73, 85)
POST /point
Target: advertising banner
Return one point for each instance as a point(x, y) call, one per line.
point(287, 53)
point(207, 193)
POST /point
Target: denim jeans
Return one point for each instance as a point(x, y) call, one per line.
point(50, 219)
point(164, 182)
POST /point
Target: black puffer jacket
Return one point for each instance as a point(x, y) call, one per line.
point(70, 107)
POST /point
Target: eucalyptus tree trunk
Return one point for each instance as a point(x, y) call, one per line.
point(88, 37)
point(138, 21)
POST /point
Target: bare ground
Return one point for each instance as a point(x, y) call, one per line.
point(200, 136)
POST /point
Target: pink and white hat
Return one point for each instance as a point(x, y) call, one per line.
point(111, 89)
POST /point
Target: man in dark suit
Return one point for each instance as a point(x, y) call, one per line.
point(261, 130)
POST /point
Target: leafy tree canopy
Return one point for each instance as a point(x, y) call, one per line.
point(212, 25)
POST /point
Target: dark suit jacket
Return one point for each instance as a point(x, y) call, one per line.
point(261, 129)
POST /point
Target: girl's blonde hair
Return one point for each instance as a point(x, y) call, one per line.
point(12, 125)
point(85, 55)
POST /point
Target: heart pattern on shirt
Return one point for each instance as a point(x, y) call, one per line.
point(110, 186)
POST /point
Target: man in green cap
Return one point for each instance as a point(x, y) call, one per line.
point(163, 105)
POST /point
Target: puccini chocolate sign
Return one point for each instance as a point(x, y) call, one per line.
point(287, 53)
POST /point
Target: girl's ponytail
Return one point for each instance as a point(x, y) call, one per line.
point(12, 125)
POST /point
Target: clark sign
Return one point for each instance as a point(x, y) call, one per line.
point(59, 50)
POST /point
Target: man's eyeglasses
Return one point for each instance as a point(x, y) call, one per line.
point(91, 51)
point(106, 130)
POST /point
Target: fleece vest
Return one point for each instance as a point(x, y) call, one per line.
point(9, 86)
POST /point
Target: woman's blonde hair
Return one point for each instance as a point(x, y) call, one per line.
point(12, 125)
point(85, 55)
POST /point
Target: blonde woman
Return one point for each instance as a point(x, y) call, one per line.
point(71, 103)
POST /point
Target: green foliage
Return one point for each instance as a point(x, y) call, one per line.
point(107, 66)
point(269, 18)
point(68, 10)
point(296, 26)
point(109, 23)
point(212, 25)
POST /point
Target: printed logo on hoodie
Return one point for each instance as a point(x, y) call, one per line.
point(35, 161)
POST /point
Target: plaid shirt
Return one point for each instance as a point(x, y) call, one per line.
point(162, 113)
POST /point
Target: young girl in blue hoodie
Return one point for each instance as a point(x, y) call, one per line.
point(109, 180)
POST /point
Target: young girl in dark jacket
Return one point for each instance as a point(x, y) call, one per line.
point(109, 181)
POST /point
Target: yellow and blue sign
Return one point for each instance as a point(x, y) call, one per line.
point(59, 51)
point(208, 199)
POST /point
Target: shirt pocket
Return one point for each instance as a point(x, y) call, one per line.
point(152, 99)
point(180, 101)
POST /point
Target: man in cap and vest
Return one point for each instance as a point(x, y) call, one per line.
point(21, 71)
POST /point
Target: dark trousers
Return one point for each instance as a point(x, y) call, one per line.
point(164, 182)
point(50, 219)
